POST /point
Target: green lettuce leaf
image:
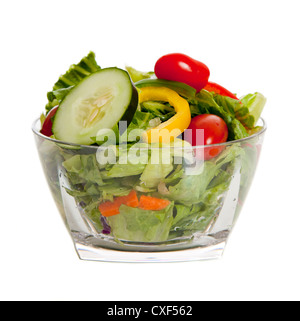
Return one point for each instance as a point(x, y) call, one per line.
point(253, 105)
point(191, 188)
point(134, 224)
point(158, 168)
point(158, 109)
point(107, 137)
point(209, 103)
point(131, 161)
point(137, 75)
point(82, 169)
point(190, 218)
point(72, 77)
point(247, 110)
point(229, 104)
point(197, 217)
point(140, 122)
point(124, 170)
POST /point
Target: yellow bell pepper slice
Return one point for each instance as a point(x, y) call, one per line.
point(167, 131)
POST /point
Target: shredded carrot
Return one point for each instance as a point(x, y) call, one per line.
point(113, 208)
point(152, 203)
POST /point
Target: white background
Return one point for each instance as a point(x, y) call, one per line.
point(248, 45)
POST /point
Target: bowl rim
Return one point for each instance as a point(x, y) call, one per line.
point(37, 132)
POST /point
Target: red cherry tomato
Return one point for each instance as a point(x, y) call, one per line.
point(213, 87)
point(182, 68)
point(215, 131)
point(47, 126)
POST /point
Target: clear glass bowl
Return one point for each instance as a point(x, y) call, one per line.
point(205, 197)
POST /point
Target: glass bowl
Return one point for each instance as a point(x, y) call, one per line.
point(173, 203)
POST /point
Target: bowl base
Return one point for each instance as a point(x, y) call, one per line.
point(90, 253)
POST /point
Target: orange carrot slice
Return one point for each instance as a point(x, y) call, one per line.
point(130, 200)
point(113, 208)
point(109, 208)
point(152, 203)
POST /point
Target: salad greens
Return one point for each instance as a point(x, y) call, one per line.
point(195, 191)
point(72, 77)
point(134, 224)
point(194, 199)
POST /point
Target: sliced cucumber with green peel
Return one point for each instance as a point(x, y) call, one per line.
point(98, 102)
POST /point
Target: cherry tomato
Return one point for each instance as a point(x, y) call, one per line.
point(182, 68)
point(215, 131)
point(47, 126)
point(213, 87)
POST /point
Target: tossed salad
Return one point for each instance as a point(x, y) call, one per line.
point(148, 177)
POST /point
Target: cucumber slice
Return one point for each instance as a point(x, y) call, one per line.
point(98, 102)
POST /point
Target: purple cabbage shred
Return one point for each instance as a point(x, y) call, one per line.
point(106, 227)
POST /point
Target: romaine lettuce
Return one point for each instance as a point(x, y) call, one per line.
point(247, 110)
point(72, 77)
point(158, 109)
point(209, 103)
point(140, 122)
point(158, 168)
point(134, 224)
point(197, 216)
point(253, 105)
point(137, 75)
point(83, 168)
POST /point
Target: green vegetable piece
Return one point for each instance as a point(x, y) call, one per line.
point(181, 88)
point(158, 168)
point(83, 168)
point(141, 121)
point(137, 75)
point(98, 103)
point(76, 73)
point(209, 103)
point(158, 109)
point(253, 105)
point(134, 224)
point(72, 77)
point(191, 188)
